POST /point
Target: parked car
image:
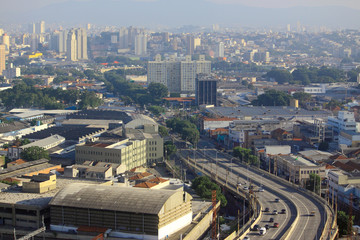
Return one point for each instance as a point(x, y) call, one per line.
point(246, 188)
point(256, 227)
point(277, 200)
point(261, 190)
point(312, 213)
point(276, 225)
point(267, 209)
point(262, 231)
point(275, 212)
point(271, 220)
point(246, 238)
point(283, 211)
point(267, 226)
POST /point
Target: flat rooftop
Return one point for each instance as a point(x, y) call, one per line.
point(298, 161)
point(16, 196)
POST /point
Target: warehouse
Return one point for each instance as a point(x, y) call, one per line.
point(129, 212)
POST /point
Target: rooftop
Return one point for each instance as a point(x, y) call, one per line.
point(16, 196)
point(114, 198)
point(298, 161)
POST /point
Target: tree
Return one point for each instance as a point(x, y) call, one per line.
point(273, 98)
point(169, 149)
point(156, 110)
point(163, 131)
point(303, 98)
point(34, 153)
point(343, 222)
point(158, 90)
point(280, 76)
point(323, 146)
point(203, 186)
point(314, 183)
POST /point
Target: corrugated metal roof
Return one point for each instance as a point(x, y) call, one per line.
point(124, 199)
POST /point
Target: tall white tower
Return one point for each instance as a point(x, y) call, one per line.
point(141, 44)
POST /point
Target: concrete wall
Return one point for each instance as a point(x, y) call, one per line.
point(175, 226)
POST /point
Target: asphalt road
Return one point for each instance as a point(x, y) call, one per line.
point(307, 227)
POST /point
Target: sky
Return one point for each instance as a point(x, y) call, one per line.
point(335, 13)
point(35, 4)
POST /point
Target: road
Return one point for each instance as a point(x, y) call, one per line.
point(291, 199)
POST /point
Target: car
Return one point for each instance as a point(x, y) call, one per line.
point(312, 213)
point(246, 238)
point(271, 220)
point(261, 190)
point(239, 184)
point(262, 231)
point(277, 200)
point(276, 225)
point(267, 210)
point(246, 188)
point(275, 212)
point(283, 211)
point(267, 226)
point(256, 227)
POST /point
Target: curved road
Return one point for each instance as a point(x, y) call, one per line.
point(307, 227)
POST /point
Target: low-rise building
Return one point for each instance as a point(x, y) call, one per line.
point(125, 212)
point(40, 183)
point(131, 153)
point(295, 168)
point(46, 143)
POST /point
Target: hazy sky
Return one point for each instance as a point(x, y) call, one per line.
point(34, 4)
point(333, 13)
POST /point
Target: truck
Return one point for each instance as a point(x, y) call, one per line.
point(262, 231)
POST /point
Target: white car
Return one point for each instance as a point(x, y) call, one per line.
point(246, 188)
point(261, 190)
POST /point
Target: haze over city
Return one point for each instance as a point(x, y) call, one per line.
point(172, 13)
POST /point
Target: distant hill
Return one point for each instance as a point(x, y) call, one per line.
point(183, 12)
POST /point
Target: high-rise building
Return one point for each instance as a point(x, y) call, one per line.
point(190, 44)
point(6, 42)
point(76, 45)
point(178, 76)
point(123, 38)
point(1, 31)
point(206, 90)
point(32, 28)
point(71, 44)
point(40, 27)
point(221, 50)
point(197, 42)
point(140, 44)
point(2, 59)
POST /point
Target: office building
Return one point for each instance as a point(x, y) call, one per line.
point(206, 90)
point(32, 28)
point(140, 44)
point(122, 212)
point(178, 76)
point(40, 27)
point(345, 121)
point(6, 42)
point(2, 59)
point(130, 153)
point(190, 46)
point(59, 41)
point(146, 128)
point(123, 38)
point(76, 45)
point(221, 50)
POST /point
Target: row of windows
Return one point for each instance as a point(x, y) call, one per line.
point(310, 171)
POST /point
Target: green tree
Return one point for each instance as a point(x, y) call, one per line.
point(343, 222)
point(203, 186)
point(323, 146)
point(303, 98)
point(157, 90)
point(280, 76)
point(273, 98)
point(169, 149)
point(156, 110)
point(163, 131)
point(34, 153)
point(245, 155)
point(314, 183)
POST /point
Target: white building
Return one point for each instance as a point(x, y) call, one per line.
point(178, 76)
point(76, 45)
point(140, 44)
point(344, 121)
point(221, 50)
point(320, 89)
